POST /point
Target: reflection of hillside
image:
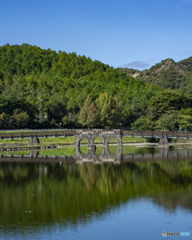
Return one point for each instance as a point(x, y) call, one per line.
point(65, 192)
point(89, 174)
point(139, 150)
point(173, 200)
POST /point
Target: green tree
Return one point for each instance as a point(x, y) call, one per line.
point(168, 121)
point(143, 124)
point(88, 115)
point(20, 118)
point(168, 100)
point(185, 122)
point(3, 120)
point(110, 109)
point(187, 111)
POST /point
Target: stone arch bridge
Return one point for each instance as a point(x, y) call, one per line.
point(104, 135)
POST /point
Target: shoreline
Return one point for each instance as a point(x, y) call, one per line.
point(53, 146)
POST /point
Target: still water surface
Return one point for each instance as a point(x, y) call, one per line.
point(148, 192)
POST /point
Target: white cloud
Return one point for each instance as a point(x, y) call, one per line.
point(140, 65)
point(137, 64)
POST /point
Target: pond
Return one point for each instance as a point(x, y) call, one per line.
point(133, 193)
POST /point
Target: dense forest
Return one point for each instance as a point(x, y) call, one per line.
point(45, 89)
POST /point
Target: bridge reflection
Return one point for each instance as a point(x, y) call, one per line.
point(106, 156)
point(164, 154)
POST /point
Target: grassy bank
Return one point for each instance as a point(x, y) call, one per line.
point(68, 141)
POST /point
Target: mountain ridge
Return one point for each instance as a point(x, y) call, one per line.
point(167, 74)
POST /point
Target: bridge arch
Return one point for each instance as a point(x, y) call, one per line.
point(83, 141)
point(83, 150)
point(108, 140)
point(111, 141)
point(79, 141)
point(97, 138)
point(99, 151)
point(112, 149)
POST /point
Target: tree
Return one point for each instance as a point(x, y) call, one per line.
point(166, 101)
point(117, 106)
point(168, 121)
point(110, 109)
point(185, 122)
point(20, 118)
point(187, 111)
point(3, 119)
point(143, 124)
point(88, 115)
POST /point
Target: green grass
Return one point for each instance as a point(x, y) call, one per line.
point(99, 150)
point(64, 151)
point(83, 149)
point(69, 150)
point(112, 149)
point(16, 153)
point(68, 141)
point(57, 140)
point(12, 141)
point(133, 139)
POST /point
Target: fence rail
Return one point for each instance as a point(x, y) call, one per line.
point(71, 132)
point(156, 134)
point(37, 134)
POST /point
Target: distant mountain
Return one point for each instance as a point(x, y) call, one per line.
point(167, 74)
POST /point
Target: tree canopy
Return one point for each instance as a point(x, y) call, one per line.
point(77, 92)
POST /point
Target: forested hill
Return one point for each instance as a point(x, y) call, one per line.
point(77, 92)
point(168, 74)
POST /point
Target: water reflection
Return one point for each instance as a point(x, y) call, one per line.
point(105, 156)
point(101, 155)
point(39, 190)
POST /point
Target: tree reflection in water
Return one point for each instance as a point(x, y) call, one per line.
point(70, 191)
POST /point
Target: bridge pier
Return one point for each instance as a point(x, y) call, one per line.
point(91, 147)
point(163, 153)
point(34, 154)
point(163, 142)
point(34, 141)
point(105, 144)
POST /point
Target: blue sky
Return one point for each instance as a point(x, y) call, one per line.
point(124, 33)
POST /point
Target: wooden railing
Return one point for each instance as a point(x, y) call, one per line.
point(157, 134)
point(37, 134)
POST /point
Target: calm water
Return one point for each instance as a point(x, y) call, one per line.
point(133, 194)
